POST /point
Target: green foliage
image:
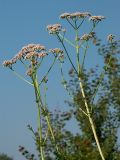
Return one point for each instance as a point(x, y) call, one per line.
point(105, 111)
point(5, 157)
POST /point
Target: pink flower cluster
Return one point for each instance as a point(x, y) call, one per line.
point(27, 53)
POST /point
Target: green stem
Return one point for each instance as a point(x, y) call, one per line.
point(81, 23)
point(68, 41)
point(63, 79)
point(85, 102)
point(37, 95)
point(52, 134)
point(40, 105)
point(51, 129)
point(48, 71)
point(91, 121)
point(45, 139)
point(24, 64)
point(48, 119)
point(70, 23)
point(21, 77)
point(40, 133)
point(72, 66)
point(39, 63)
point(45, 90)
point(84, 56)
point(77, 54)
point(67, 54)
point(101, 79)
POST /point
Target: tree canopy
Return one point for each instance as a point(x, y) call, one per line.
point(104, 100)
point(5, 157)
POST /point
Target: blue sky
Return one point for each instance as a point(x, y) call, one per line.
point(23, 22)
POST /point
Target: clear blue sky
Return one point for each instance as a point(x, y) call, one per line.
point(23, 22)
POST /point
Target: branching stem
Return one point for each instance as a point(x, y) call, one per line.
point(41, 108)
point(86, 104)
point(21, 77)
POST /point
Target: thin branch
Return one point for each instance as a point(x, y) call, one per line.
point(67, 54)
point(69, 42)
point(69, 92)
point(84, 56)
point(80, 24)
point(24, 64)
point(70, 23)
point(101, 79)
point(48, 71)
point(21, 77)
point(40, 63)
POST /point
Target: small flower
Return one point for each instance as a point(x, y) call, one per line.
point(53, 29)
point(18, 56)
point(7, 63)
point(42, 54)
point(80, 15)
point(27, 48)
point(96, 18)
point(75, 15)
point(39, 48)
point(30, 55)
point(86, 14)
point(86, 37)
point(56, 50)
point(110, 37)
point(29, 51)
point(65, 15)
point(32, 48)
point(58, 53)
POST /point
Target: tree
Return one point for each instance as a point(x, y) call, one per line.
point(5, 157)
point(103, 93)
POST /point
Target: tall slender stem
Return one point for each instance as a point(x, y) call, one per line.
point(91, 121)
point(85, 101)
point(41, 107)
point(52, 133)
point(37, 94)
point(77, 54)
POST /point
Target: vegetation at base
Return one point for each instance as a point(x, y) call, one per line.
point(105, 111)
point(4, 156)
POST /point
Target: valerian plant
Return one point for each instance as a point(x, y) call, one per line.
point(34, 54)
point(31, 57)
point(105, 110)
point(76, 20)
